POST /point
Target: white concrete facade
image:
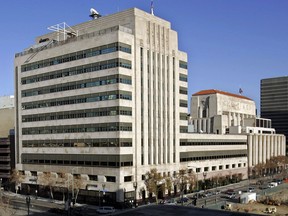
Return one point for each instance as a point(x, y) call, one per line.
point(77, 118)
point(49, 118)
point(261, 147)
point(218, 112)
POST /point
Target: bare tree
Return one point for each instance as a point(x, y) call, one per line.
point(259, 169)
point(62, 181)
point(154, 182)
point(17, 178)
point(49, 180)
point(185, 178)
point(169, 184)
point(78, 183)
point(5, 208)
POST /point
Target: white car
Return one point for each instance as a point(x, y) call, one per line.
point(105, 210)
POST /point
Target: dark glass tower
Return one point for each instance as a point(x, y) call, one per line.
point(274, 103)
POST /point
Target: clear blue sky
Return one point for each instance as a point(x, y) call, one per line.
point(230, 43)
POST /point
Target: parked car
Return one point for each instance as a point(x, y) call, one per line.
point(208, 193)
point(184, 199)
point(262, 187)
point(170, 202)
point(250, 189)
point(272, 184)
point(216, 192)
point(105, 210)
point(229, 191)
point(278, 181)
point(231, 195)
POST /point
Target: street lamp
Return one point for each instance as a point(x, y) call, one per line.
point(72, 172)
point(103, 189)
point(36, 192)
point(135, 188)
point(0, 187)
point(28, 200)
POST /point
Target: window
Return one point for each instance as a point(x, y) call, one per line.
point(220, 167)
point(213, 168)
point(93, 177)
point(127, 178)
point(233, 165)
point(227, 166)
point(33, 173)
point(206, 169)
point(110, 178)
point(198, 170)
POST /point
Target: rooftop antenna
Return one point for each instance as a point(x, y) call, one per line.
point(152, 7)
point(64, 29)
point(94, 14)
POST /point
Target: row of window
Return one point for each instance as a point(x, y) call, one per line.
point(102, 96)
point(183, 64)
point(78, 163)
point(102, 127)
point(78, 85)
point(183, 129)
point(112, 63)
point(78, 143)
point(107, 111)
point(183, 77)
point(183, 91)
point(183, 103)
point(113, 47)
point(183, 116)
point(108, 160)
point(188, 143)
point(214, 157)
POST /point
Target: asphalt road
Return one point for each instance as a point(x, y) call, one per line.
point(41, 207)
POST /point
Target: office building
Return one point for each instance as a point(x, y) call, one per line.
point(7, 141)
point(219, 112)
point(274, 103)
point(106, 101)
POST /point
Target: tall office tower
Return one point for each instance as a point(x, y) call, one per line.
point(7, 156)
point(104, 100)
point(274, 103)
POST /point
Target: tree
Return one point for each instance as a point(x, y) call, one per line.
point(17, 178)
point(259, 169)
point(49, 180)
point(185, 178)
point(169, 184)
point(5, 208)
point(154, 183)
point(77, 185)
point(62, 181)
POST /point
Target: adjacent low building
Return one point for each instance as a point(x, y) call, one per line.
point(219, 112)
